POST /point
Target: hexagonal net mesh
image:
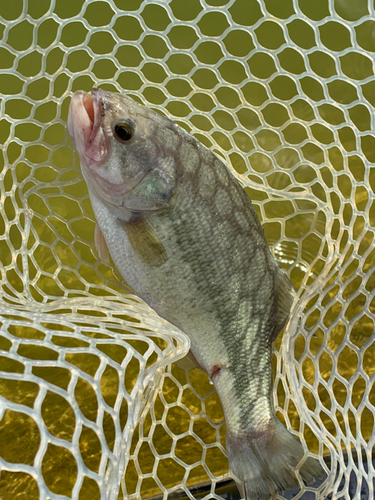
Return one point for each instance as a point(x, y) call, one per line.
point(284, 92)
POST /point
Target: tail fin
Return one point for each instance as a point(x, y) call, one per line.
point(265, 462)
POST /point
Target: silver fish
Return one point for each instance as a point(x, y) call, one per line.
point(186, 238)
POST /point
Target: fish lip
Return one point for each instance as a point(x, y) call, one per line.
point(85, 127)
point(93, 105)
point(95, 142)
point(75, 113)
point(80, 123)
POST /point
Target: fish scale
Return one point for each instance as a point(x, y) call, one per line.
point(186, 238)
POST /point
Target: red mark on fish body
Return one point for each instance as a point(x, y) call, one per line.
point(215, 371)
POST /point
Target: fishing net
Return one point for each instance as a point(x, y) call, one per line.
point(91, 404)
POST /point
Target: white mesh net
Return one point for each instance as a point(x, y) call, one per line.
point(284, 91)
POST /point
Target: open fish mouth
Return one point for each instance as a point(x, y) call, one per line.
point(84, 125)
point(88, 104)
point(96, 146)
point(93, 107)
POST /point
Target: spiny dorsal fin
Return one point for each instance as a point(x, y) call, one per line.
point(285, 297)
point(101, 244)
point(145, 242)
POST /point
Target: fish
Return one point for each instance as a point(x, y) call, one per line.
point(186, 238)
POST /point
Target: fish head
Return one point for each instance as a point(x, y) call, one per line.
point(127, 151)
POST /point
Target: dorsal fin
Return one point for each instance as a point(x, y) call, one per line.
point(145, 242)
point(285, 297)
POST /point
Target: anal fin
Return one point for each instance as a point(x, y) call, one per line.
point(189, 362)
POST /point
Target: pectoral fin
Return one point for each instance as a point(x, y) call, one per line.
point(145, 242)
point(101, 245)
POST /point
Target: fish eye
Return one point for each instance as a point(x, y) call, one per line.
point(123, 131)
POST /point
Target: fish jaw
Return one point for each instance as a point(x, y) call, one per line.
point(85, 127)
